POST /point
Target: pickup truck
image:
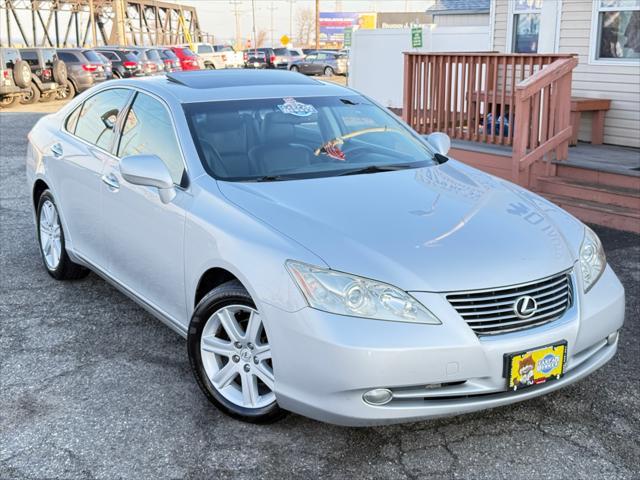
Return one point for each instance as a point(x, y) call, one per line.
point(211, 58)
point(232, 59)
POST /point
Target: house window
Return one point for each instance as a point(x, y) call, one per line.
point(526, 25)
point(618, 29)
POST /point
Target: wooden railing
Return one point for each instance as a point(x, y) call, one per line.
point(517, 100)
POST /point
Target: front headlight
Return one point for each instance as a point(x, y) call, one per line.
point(345, 294)
point(592, 259)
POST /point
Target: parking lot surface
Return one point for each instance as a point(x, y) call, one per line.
point(91, 386)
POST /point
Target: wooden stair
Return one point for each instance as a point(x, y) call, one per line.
point(595, 197)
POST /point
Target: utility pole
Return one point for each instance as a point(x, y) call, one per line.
point(253, 11)
point(236, 10)
point(317, 24)
point(271, 8)
point(291, 19)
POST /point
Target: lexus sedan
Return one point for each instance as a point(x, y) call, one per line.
point(317, 254)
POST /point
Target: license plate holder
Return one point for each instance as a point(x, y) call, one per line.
point(535, 366)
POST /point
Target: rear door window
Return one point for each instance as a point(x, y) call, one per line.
point(148, 129)
point(30, 57)
point(10, 57)
point(98, 117)
point(153, 55)
point(67, 57)
point(49, 56)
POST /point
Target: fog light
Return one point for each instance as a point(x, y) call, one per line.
point(378, 396)
point(611, 339)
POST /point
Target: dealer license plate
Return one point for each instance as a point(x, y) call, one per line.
point(536, 366)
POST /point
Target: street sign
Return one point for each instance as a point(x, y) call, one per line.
point(348, 34)
point(284, 40)
point(416, 37)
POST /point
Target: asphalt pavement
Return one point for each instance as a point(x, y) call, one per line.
point(91, 386)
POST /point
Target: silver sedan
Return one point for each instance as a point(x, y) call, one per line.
point(318, 255)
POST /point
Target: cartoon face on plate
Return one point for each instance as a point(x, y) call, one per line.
point(525, 372)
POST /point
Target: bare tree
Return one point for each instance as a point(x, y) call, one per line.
point(305, 22)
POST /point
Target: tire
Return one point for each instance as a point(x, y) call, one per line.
point(68, 92)
point(209, 66)
point(328, 72)
point(50, 232)
point(242, 356)
point(32, 96)
point(60, 72)
point(6, 102)
point(294, 68)
point(116, 75)
point(22, 74)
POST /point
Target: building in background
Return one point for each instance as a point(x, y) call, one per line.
point(457, 13)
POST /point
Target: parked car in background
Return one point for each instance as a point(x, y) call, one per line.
point(232, 59)
point(84, 70)
point(151, 62)
point(297, 52)
point(124, 62)
point(269, 55)
point(188, 59)
point(321, 63)
point(210, 58)
point(106, 64)
point(254, 58)
point(170, 59)
point(48, 74)
point(284, 57)
point(15, 76)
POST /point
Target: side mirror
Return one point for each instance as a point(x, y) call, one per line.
point(148, 171)
point(440, 142)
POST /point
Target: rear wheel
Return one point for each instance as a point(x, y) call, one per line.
point(209, 66)
point(51, 242)
point(230, 355)
point(294, 68)
point(32, 95)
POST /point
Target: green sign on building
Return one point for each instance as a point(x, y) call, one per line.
point(348, 34)
point(416, 37)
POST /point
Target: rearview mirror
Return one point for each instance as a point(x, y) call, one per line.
point(148, 171)
point(440, 142)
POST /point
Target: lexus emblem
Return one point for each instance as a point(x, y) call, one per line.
point(525, 307)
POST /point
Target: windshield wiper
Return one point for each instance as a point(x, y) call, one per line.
point(271, 178)
point(374, 169)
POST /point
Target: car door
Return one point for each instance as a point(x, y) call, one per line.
point(319, 63)
point(144, 237)
point(306, 64)
point(79, 155)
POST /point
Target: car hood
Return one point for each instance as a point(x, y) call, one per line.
point(440, 228)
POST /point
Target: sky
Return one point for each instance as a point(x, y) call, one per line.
point(217, 17)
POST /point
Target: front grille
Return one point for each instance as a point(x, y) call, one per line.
point(491, 312)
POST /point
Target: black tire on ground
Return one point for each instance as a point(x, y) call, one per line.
point(68, 92)
point(294, 68)
point(230, 293)
point(32, 96)
point(328, 72)
point(209, 66)
point(6, 102)
point(22, 74)
point(60, 72)
point(66, 269)
point(116, 74)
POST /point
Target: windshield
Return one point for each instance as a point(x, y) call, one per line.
point(302, 137)
point(223, 48)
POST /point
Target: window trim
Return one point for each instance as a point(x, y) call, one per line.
point(594, 37)
point(544, 15)
point(132, 94)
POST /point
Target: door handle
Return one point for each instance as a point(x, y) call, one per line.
point(56, 149)
point(111, 181)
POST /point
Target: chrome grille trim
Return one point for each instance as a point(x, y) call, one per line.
point(491, 312)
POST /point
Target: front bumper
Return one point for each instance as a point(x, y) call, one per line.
point(324, 363)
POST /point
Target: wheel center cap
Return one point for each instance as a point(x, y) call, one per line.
point(245, 354)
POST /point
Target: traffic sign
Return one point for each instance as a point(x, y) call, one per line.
point(284, 40)
point(348, 35)
point(416, 37)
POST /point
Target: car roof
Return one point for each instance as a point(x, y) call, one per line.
point(219, 85)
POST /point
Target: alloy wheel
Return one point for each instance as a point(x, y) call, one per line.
point(50, 241)
point(236, 356)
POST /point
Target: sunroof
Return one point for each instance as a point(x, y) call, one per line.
point(238, 78)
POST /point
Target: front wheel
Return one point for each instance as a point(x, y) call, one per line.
point(295, 68)
point(230, 355)
point(67, 92)
point(51, 242)
point(328, 72)
point(32, 95)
